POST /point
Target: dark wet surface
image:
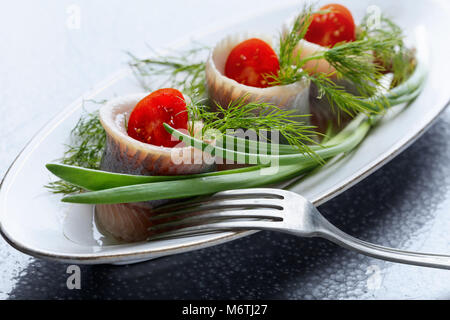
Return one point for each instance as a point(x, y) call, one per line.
point(401, 205)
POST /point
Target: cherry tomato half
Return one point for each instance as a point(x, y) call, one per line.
point(147, 118)
point(333, 27)
point(250, 62)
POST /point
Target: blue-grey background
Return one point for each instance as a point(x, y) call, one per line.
point(46, 62)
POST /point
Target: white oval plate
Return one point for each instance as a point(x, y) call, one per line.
point(37, 223)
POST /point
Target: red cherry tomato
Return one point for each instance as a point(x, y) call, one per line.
point(250, 62)
point(147, 118)
point(333, 27)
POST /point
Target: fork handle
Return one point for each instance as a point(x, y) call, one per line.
point(330, 232)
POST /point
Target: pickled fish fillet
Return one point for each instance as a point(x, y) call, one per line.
point(123, 154)
point(224, 90)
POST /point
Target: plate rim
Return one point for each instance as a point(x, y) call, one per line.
point(130, 255)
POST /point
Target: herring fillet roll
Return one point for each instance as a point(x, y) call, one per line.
point(223, 90)
point(123, 154)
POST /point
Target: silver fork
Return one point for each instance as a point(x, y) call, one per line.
point(274, 210)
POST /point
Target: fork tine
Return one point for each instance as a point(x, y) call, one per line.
point(216, 227)
point(278, 193)
point(227, 214)
point(218, 204)
point(176, 234)
point(224, 195)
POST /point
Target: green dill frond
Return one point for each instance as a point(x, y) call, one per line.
point(338, 97)
point(381, 29)
point(342, 100)
point(353, 61)
point(88, 140)
point(62, 187)
point(184, 71)
point(288, 42)
point(261, 118)
point(86, 147)
point(397, 58)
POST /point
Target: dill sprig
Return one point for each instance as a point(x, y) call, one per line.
point(342, 100)
point(88, 138)
point(290, 63)
point(353, 61)
point(184, 71)
point(87, 143)
point(260, 117)
point(398, 59)
point(62, 187)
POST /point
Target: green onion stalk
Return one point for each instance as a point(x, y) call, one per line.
point(181, 187)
